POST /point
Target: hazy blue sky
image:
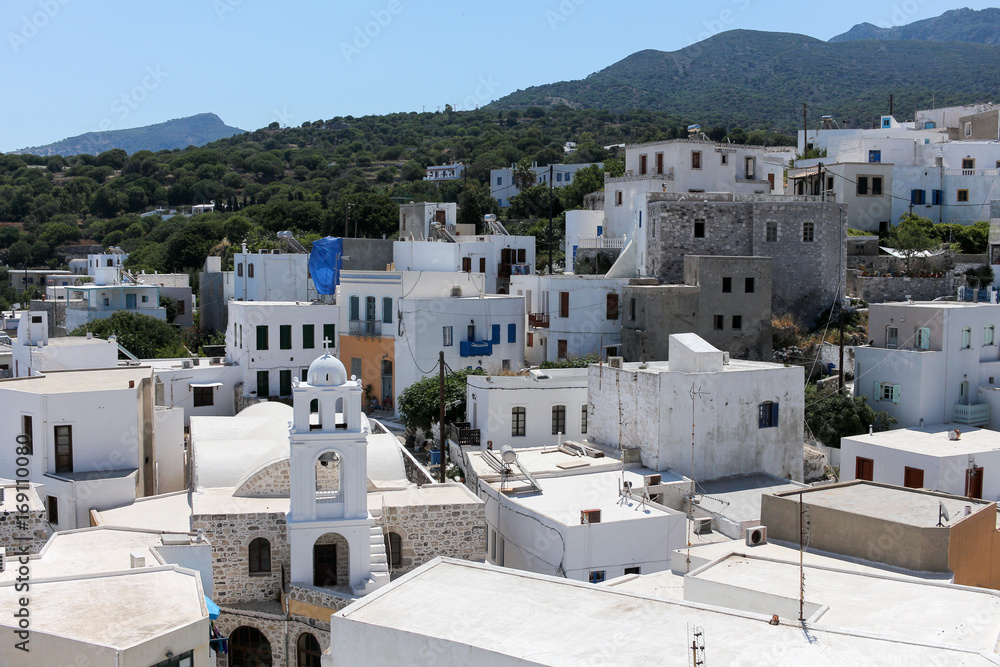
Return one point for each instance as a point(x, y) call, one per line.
point(72, 66)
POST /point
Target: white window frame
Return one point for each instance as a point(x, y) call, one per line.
point(989, 335)
point(922, 338)
point(966, 338)
point(887, 391)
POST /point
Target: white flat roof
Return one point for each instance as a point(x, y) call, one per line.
point(928, 612)
point(933, 440)
point(69, 382)
point(554, 621)
point(168, 512)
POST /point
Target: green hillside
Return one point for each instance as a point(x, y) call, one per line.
point(957, 25)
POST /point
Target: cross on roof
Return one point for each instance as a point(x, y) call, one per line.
point(326, 345)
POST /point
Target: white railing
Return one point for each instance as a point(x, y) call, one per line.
point(972, 172)
point(665, 176)
point(601, 243)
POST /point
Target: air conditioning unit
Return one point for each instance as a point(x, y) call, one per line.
point(652, 480)
point(216, 360)
point(756, 536)
point(590, 516)
point(616, 362)
point(456, 291)
point(703, 526)
point(186, 363)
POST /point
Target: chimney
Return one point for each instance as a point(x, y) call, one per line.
point(137, 559)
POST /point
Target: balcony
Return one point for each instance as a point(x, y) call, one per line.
point(476, 348)
point(538, 320)
point(508, 270)
point(988, 173)
point(465, 436)
point(973, 415)
point(365, 328)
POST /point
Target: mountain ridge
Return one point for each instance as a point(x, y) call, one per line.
point(955, 25)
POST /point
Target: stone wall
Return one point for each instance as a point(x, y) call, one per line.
point(274, 481)
point(230, 536)
point(273, 625)
point(343, 557)
point(591, 261)
point(875, 289)
point(36, 527)
point(415, 472)
point(594, 201)
point(243, 402)
point(429, 531)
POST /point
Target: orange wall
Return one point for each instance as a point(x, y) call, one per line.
point(974, 550)
point(371, 354)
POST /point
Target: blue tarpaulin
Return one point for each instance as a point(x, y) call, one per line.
point(213, 609)
point(325, 262)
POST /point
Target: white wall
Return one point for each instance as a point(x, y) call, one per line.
point(177, 381)
point(580, 224)
point(276, 277)
point(171, 457)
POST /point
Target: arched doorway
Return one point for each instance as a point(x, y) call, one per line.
point(331, 561)
point(248, 647)
point(307, 650)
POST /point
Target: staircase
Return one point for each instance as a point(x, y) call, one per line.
point(379, 559)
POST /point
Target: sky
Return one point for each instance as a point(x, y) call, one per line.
point(74, 66)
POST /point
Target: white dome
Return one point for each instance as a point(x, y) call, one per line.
point(327, 371)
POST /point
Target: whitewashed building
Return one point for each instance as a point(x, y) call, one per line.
point(932, 363)
point(950, 458)
point(542, 407)
point(445, 172)
point(744, 417)
point(574, 515)
point(570, 316)
point(34, 352)
point(417, 219)
point(200, 386)
point(582, 224)
point(273, 342)
point(270, 275)
point(97, 439)
point(503, 188)
point(494, 258)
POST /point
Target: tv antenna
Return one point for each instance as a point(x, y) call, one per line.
point(696, 644)
point(690, 512)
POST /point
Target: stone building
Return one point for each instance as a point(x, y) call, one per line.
point(803, 237)
point(725, 300)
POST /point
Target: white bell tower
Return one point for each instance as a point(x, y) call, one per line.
point(328, 430)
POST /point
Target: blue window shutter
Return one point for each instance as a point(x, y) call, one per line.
point(774, 414)
point(511, 333)
point(496, 334)
point(913, 196)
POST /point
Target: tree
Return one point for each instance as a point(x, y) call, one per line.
point(912, 236)
point(419, 404)
point(524, 176)
point(473, 203)
point(144, 336)
point(831, 415)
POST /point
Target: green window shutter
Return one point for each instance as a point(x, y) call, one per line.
point(308, 336)
point(263, 384)
point(330, 333)
point(895, 393)
point(285, 336)
point(285, 383)
point(261, 337)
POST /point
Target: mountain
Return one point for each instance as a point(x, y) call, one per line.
point(957, 25)
point(761, 79)
point(177, 133)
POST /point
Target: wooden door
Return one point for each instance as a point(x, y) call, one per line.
point(913, 478)
point(974, 483)
point(324, 565)
point(864, 469)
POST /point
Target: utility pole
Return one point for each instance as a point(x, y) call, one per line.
point(551, 171)
point(805, 131)
point(347, 219)
point(841, 365)
point(802, 569)
point(444, 455)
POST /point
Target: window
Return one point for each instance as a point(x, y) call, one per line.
point(559, 175)
point(308, 336)
point(387, 310)
point(642, 165)
point(718, 322)
point(913, 478)
point(968, 165)
point(518, 421)
point(936, 197)
point(633, 570)
point(285, 336)
point(558, 419)
point(750, 168)
point(28, 431)
point(862, 186)
point(989, 335)
point(261, 336)
point(52, 509)
point(886, 391)
point(285, 383)
point(511, 333)
point(618, 197)
point(248, 647)
point(808, 232)
point(204, 397)
point(611, 307)
point(631, 309)
point(767, 415)
point(748, 285)
point(495, 334)
point(918, 197)
point(966, 338)
point(583, 420)
point(447, 335)
point(307, 648)
point(330, 334)
point(531, 339)
point(727, 285)
point(467, 264)
point(562, 350)
point(369, 309)
point(772, 232)
point(394, 550)
point(597, 576)
point(563, 304)
point(699, 229)
point(145, 298)
point(724, 158)
point(250, 270)
point(922, 339)
point(875, 156)
point(471, 332)
point(260, 556)
point(963, 195)
point(737, 322)
point(64, 448)
point(499, 180)
point(354, 308)
point(356, 367)
point(864, 469)
point(696, 159)
point(659, 163)
point(239, 270)
point(891, 337)
point(263, 384)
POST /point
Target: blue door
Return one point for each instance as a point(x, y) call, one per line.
point(130, 301)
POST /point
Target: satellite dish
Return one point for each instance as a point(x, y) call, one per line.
point(508, 454)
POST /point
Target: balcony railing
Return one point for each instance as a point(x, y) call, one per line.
point(476, 348)
point(974, 415)
point(601, 242)
point(463, 434)
point(972, 172)
point(507, 270)
point(538, 320)
point(372, 328)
